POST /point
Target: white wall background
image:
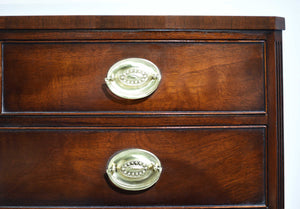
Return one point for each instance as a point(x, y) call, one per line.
point(285, 8)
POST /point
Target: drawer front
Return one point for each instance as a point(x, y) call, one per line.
point(201, 166)
point(196, 76)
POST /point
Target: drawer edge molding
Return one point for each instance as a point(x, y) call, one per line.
point(137, 127)
point(158, 207)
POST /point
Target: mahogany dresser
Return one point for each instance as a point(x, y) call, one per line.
point(141, 111)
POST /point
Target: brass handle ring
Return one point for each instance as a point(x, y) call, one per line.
point(134, 169)
point(133, 78)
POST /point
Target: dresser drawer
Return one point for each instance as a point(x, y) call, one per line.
point(196, 76)
point(201, 166)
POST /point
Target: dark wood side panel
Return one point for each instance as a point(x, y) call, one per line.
point(196, 76)
point(280, 134)
point(202, 166)
point(1, 59)
point(275, 122)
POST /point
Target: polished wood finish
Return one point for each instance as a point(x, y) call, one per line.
point(69, 77)
point(275, 121)
point(143, 22)
point(215, 121)
point(63, 167)
point(117, 35)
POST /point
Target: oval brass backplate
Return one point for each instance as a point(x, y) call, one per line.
point(134, 169)
point(133, 78)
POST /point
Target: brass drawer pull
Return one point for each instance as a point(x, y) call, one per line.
point(134, 169)
point(133, 78)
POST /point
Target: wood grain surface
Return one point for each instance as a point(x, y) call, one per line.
point(215, 121)
point(143, 22)
point(201, 166)
point(196, 76)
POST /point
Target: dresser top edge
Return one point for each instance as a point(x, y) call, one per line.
point(143, 22)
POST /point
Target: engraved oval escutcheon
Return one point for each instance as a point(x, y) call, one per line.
point(134, 169)
point(133, 78)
